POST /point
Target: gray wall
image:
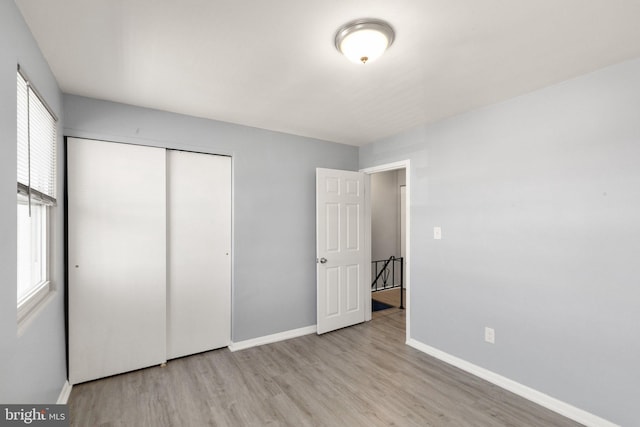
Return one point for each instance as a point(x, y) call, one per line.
point(32, 366)
point(539, 203)
point(274, 202)
point(385, 215)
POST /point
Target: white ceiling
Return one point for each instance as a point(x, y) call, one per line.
point(273, 65)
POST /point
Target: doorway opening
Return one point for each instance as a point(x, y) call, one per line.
point(388, 218)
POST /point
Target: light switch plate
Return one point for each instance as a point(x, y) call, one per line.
point(437, 233)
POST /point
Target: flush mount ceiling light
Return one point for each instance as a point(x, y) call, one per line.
point(364, 40)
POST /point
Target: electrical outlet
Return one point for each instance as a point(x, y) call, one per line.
point(489, 335)
point(437, 233)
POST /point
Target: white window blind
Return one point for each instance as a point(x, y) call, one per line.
point(36, 145)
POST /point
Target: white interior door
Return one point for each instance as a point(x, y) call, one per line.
point(199, 249)
point(117, 258)
point(342, 259)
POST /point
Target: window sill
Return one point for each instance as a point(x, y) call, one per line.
point(30, 306)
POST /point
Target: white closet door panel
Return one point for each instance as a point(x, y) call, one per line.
point(199, 249)
point(117, 258)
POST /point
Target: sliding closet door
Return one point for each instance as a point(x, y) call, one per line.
point(117, 258)
point(199, 249)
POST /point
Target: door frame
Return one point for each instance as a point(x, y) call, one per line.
point(406, 165)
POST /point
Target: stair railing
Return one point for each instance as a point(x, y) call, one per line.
point(382, 275)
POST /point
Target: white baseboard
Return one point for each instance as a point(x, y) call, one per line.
point(63, 398)
point(268, 339)
point(558, 406)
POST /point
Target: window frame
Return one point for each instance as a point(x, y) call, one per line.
point(40, 238)
point(39, 294)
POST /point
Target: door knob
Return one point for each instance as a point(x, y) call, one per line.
point(323, 260)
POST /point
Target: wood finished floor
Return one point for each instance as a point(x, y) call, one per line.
point(359, 376)
point(391, 297)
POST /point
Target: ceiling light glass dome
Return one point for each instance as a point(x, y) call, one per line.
point(364, 40)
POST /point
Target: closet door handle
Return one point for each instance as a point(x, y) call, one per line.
point(323, 260)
